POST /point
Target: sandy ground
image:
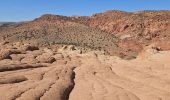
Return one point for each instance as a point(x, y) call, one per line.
point(68, 75)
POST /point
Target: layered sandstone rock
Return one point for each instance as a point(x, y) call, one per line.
point(91, 75)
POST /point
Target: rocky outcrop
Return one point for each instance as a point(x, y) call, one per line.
point(92, 75)
point(111, 31)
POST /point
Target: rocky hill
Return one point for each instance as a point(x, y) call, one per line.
point(57, 57)
point(115, 32)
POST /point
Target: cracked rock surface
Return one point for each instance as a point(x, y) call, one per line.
point(65, 74)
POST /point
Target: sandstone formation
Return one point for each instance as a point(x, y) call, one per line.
point(113, 55)
point(119, 33)
point(92, 75)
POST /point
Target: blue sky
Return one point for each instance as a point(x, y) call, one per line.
point(21, 10)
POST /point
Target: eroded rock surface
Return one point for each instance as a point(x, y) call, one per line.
point(88, 76)
point(36, 74)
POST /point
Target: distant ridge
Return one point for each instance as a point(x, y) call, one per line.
point(2, 23)
point(116, 32)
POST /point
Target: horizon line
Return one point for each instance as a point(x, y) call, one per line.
point(25, 20)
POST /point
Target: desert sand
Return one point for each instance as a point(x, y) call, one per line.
point(31, 73)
